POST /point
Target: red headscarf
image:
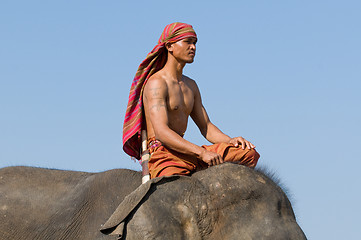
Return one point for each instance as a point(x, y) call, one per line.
point(154, 61)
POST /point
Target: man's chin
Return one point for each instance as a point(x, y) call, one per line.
point(190, 60)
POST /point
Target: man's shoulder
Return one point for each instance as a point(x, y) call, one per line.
point(156, 81)
point(192, 83)
point(186, 78)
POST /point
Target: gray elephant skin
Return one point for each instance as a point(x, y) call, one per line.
point(227, 201)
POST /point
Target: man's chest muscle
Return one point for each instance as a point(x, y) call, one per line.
point(181, 98)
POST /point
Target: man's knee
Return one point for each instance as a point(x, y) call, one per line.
point(252, 156)
point(246, 157)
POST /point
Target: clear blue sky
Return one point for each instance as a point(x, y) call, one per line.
point(283, 74)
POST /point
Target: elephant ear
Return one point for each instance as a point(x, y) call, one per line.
point(115, 224)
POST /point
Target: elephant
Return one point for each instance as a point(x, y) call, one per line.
point(227, 201)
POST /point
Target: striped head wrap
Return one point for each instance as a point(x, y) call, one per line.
point(154, 61)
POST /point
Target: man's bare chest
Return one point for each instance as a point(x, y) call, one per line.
point(180, 98)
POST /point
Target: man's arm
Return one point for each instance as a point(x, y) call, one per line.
point(155, 94)
point(207, 128)
point(201, 119)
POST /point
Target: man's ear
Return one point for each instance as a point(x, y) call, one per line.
point(169, 47)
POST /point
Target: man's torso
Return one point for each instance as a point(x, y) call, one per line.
point(179, 103)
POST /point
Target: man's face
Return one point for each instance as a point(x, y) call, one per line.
point(184, 50)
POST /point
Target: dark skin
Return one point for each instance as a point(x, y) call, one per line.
point(169, 98)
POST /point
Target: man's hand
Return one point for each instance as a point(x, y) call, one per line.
point(211, 158)
point(241, 141)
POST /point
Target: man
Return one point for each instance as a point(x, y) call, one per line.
point(166, 98)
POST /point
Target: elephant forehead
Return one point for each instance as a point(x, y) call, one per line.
point(247, 203)
point(231, 180)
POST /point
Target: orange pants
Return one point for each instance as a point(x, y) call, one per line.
point(166, 162)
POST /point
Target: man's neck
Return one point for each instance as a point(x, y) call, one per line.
point(174, 68)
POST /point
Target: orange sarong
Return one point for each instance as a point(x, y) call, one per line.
point(166, 162)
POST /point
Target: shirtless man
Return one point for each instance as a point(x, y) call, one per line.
point(169, 98)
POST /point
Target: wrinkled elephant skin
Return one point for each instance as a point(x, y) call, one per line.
point(227, 201)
